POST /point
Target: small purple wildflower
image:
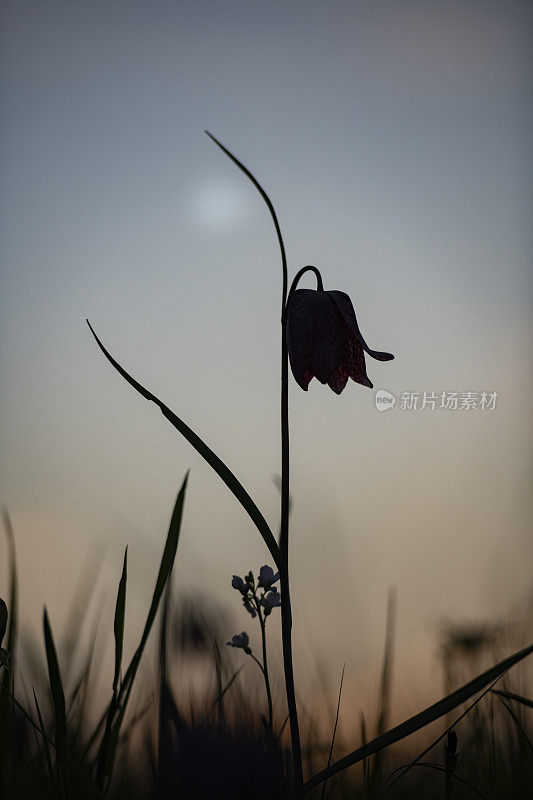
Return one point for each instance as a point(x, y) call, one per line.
point(240, 640)
point(239, 584)
point(271, 600)
point(267, 577)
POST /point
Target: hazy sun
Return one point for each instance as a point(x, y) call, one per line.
point(218, 205)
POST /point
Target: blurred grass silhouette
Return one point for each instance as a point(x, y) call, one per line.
point(214, 743)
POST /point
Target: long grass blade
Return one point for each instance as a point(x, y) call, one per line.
point(457, 775)
point(167, 562)
point(220, 696)
point(511, 696)
point(451, 757)
point(117, 710)
point(164, 778)
point(385, 790)
point(7, 681)
point(58, 701)
point(334, 734)
point(47, 754)
point(31, 721)
point(118, 625)
point(422, 719)
point(105, 755)
point(517, 723)
point(386, 679)
point(207, 454)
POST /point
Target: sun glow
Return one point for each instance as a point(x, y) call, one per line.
point(218, 206)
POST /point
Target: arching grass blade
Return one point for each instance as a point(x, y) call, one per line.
point(207, 454)
point(422, 719)
point(511, 696)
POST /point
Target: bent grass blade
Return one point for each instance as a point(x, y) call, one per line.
point(268, 202)
point(511, 696)
point(233, 484)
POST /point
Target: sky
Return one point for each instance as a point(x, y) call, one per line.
point(394, 141)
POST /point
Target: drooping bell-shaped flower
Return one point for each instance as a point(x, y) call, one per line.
point(324, 340)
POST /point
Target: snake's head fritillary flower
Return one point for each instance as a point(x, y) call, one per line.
point(267, 577)
point(241, 640)
point(324, 340)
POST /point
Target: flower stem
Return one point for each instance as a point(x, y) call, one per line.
point(286, 622)
point(286, 615)
point(299, 275)
point(265, 671)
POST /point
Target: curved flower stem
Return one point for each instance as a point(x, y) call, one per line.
point(286, 617)
point(301, 272)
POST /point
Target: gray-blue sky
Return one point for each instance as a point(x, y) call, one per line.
point(394, 141)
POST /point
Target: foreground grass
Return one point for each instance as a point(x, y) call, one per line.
point(219, 744)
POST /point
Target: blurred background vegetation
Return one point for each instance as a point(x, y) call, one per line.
point(196, 724)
